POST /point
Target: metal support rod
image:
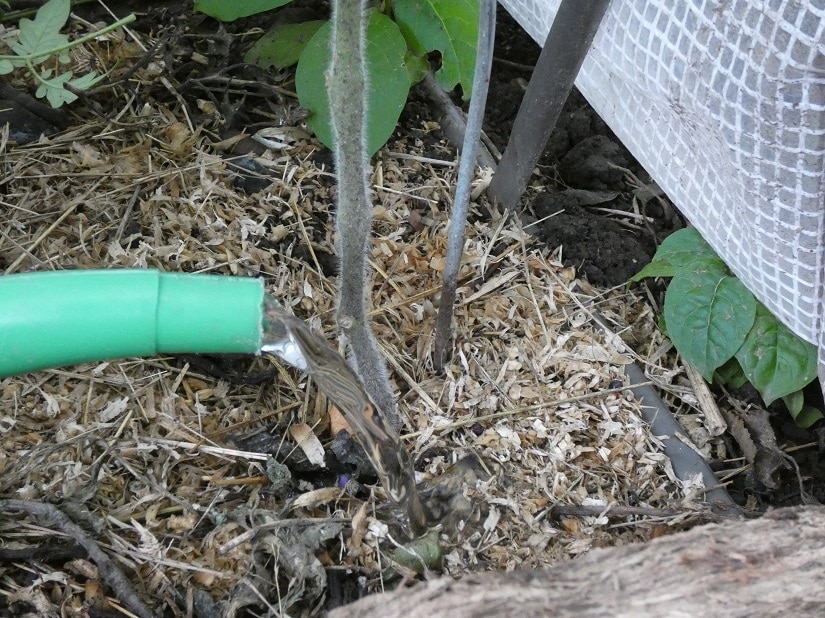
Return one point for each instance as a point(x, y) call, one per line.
point(466, 170)
point(565, 48)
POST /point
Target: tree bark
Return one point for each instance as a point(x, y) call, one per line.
point(773, 566)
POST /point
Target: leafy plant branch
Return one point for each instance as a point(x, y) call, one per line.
point(400, 35)
point(719, 327)
point(39, 40)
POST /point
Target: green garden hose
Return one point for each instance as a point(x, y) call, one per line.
point(49, 319)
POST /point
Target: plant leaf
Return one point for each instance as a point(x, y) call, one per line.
point(40, 36)
point(230, 10)
point(54, 91)
point(282, 45)
point(86, 81)
point(447, 26)
point(708, 314)
point(774, 359)
point(677, 251)
point(731, 375)
point(6, 66)
point(803, 415)
point(387, 78)
point(808, 416)
point(794, 402)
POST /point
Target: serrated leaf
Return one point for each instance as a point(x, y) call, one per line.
point(230, 10)
point(708, 314)
point(387, 78)
point(447, 26)
point(282, 45)
point(86, 81)
point(677, 251)
point(54, 91)
point(774, 359)
point(40, 36)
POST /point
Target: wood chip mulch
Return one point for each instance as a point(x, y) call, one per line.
point(142, 453)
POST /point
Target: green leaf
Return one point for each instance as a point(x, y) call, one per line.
point(230, 10)
point(677, 251)
point(282, 45)
point(6, 66)
point(54, 91)
point(808, 416)
point(730, 374)
point(86, 81)
point(417, 66)
point(447, 26)
point(38, 37)
point(387, 78)
point(708, 314)
point(776, 361)
point(794, 402)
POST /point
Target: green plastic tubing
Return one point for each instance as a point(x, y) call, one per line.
point(49, 319)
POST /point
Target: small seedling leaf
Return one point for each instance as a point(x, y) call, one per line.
point(731, 375)
point(808, 416)
point(282, 45)
point(54, 91)
point(86, 81)
point(447, 26)
point(774, 359)
point(388, 81)
point(677, 251)
point(40, 36)
point(230, 10)
point(6, 66)
point(708, 313)
point(804, 415)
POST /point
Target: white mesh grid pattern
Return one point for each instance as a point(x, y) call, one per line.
point(723, 102)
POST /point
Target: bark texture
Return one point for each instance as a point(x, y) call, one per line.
point(773, 566)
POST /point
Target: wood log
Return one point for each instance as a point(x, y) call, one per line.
point(772, 566)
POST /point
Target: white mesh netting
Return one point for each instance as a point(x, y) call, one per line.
point(723, 102)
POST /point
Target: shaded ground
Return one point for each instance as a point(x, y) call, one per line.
point(174, 463)
point(591, 198)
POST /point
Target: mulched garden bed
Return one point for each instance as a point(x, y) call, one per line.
point(186, 472)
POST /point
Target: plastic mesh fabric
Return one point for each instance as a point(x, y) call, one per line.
point(723, 102)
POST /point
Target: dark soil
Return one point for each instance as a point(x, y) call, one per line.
point(583, 173)
point(585, 168)
point(589, 196)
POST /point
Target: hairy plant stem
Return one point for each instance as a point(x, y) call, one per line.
point(455, 247)
point(346, 82)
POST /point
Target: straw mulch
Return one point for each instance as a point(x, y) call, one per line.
point(142, 453)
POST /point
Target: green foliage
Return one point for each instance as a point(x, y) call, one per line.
point(230, 10)
point(803, 414)
point(677, 251)
point(401, 36)
point(388, 85)
point(39, 36)
point(771, 354)
point(39, 41)
point(708, 313)
point(282, 45)
point(446, 26)
point(719, 327)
